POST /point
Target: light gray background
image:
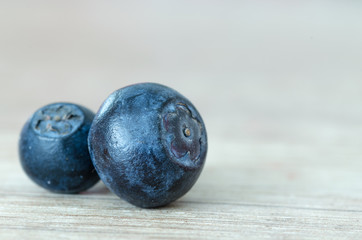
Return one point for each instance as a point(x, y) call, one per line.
point(301, 60)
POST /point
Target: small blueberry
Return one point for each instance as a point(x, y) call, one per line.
point(53, 148)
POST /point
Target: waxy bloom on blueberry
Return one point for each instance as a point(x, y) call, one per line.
point(148, 144)
point(53, 148)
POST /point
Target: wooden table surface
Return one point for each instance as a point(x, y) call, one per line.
point(278, 85)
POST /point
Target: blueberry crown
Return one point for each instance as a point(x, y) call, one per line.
point(57, 120)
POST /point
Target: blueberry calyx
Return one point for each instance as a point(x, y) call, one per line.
point(57, 120)
point(182, 134)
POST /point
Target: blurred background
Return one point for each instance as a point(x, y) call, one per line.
point(259, 71)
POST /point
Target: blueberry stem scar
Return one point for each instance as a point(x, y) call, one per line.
point(187, 132)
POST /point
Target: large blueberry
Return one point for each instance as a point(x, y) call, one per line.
point(54, 151)
point(148, 144)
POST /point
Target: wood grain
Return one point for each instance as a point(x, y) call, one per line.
point(267, 193)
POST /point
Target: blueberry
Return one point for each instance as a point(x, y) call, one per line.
point(53, 148)
point(148, 144)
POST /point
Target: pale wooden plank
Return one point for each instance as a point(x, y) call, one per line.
point(255, 198)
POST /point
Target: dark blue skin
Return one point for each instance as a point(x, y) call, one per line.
point(148, 144)
point(53, 148)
